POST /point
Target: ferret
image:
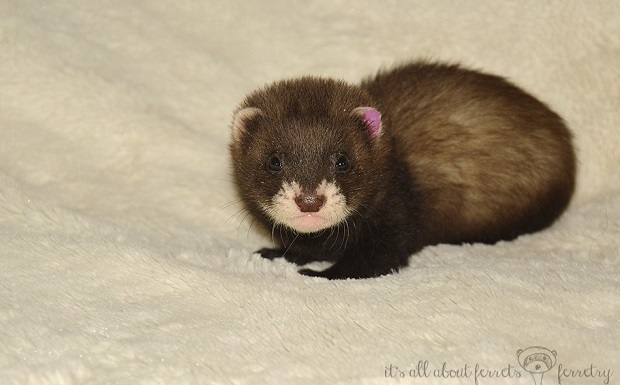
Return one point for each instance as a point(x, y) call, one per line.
point(421, 154)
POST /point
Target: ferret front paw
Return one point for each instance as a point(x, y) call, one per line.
point(310, 273)
point(329, 274)
point(298, 259)
point(270, 254)
point(344, 271)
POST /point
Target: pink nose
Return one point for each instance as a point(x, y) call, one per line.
point(309, 203)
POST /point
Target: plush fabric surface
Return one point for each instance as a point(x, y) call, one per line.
point(125, 257)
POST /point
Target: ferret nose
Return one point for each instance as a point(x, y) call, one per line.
point(309, 203)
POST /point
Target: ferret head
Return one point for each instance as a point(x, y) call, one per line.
point(306, 152)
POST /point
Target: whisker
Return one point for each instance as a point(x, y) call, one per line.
point(291, 244)
point(253, 220)
point(226, 205)
point(236, 215)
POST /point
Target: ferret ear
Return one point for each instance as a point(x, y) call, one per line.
point(242, 119)
point(372, 118)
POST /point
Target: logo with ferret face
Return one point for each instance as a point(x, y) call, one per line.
point(537, 361)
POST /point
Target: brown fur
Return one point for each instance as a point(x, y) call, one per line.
point(464, 157)
point(492, 161)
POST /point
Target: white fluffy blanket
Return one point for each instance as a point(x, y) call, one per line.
point(125, 258)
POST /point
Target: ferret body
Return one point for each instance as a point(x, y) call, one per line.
point(425, 153)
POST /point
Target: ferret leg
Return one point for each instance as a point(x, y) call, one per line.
point(290, 256)
point(359, 266)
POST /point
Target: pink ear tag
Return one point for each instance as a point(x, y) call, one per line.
point(372, 117)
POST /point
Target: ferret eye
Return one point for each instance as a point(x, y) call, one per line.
point(342, 164)
point(274, 164)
